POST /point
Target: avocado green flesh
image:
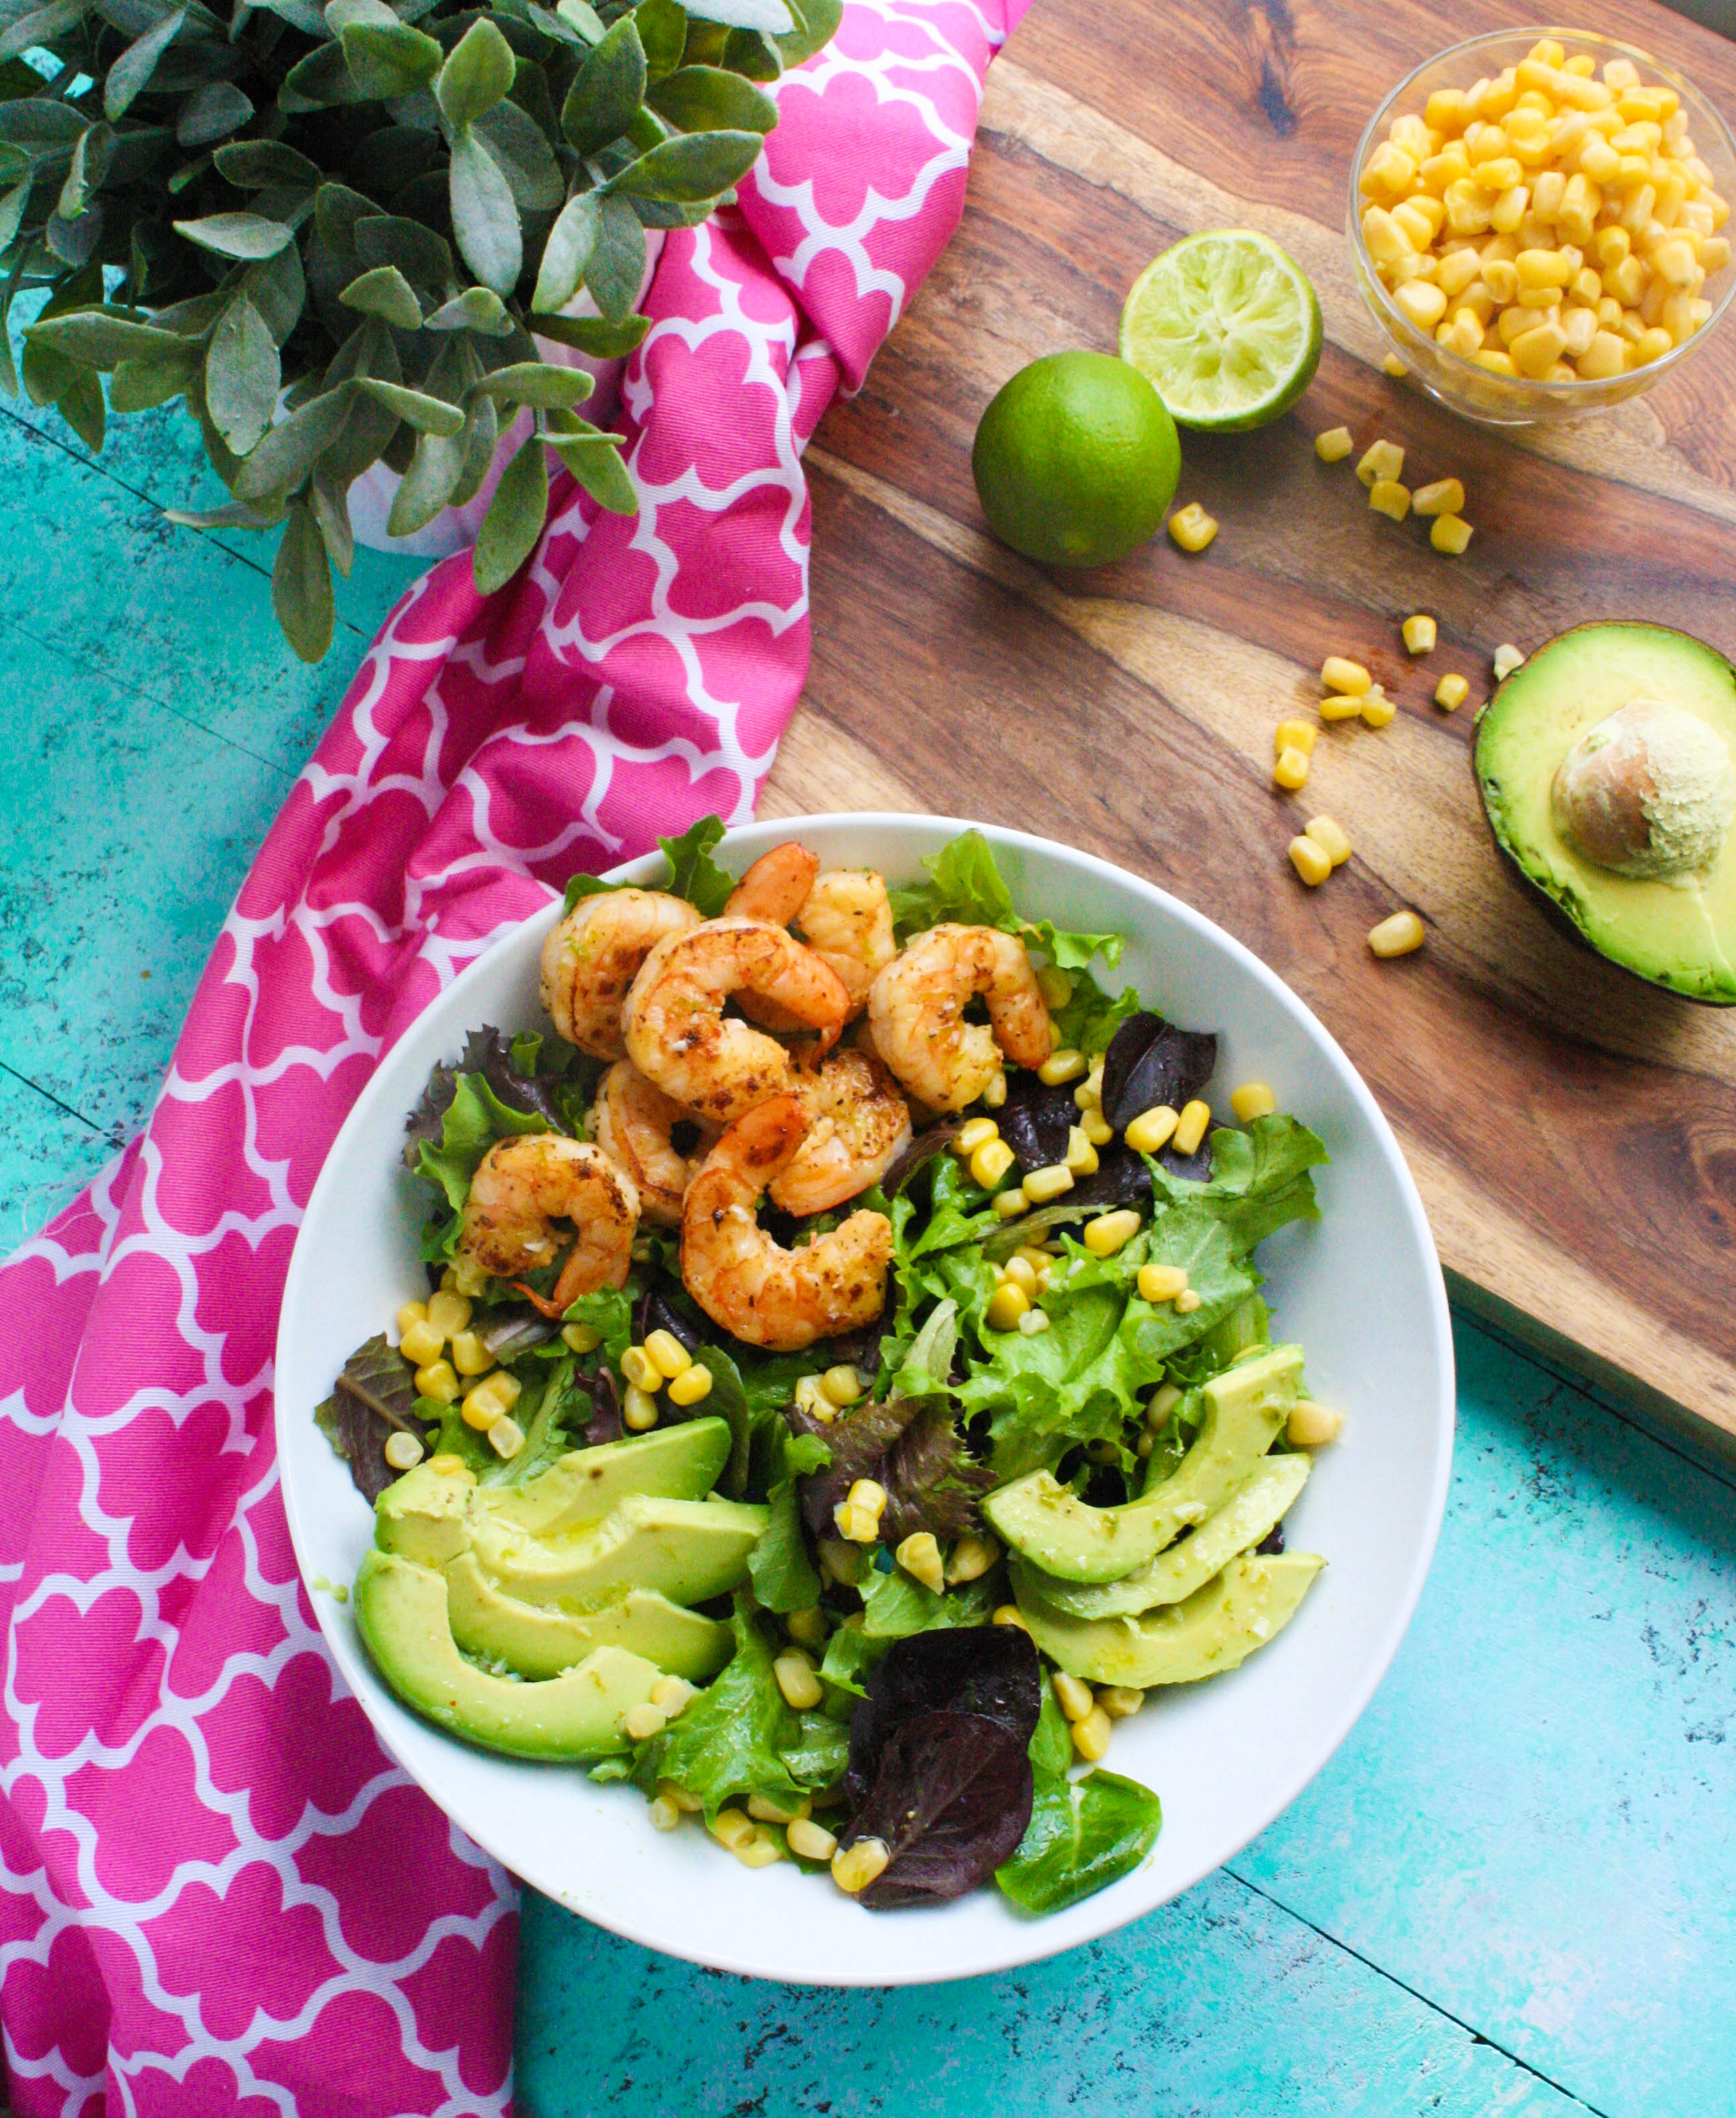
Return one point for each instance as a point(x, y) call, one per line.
point(689, 1551)
point(401, 1613)
point(1051, 1527)
point(496, 1627)
point(1243, 1521)
point(1217, 1628)
point(1679, 933)
point(578, 1490)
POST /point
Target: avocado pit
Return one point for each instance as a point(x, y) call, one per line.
point(1649, 792)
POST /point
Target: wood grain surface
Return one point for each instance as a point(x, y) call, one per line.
point(1573, 1132)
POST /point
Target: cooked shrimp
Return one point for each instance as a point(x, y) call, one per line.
point(846, 919)
point(915, 1012)
point(523, 1188)
point(857, 1121)
point(674, 1023)
point(590, 959)
point(632, 1121)
point(775, 886)
point(753, 1287)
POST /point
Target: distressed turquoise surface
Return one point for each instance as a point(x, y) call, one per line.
point(1514, 1890)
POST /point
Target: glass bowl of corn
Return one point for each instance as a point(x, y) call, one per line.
point(1537, 222)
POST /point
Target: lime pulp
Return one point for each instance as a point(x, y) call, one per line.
point(1226, 328)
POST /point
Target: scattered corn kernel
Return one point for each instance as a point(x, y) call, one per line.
point(1063, 1066)
point(1190, 1127)
point(1334, 444)
point(990, 1163)
point(1339, 674)
point(1010, 1203)
point(638, 1409)
point(470, 1357)
point(490, 1400)
point(506, 1436)
point(840, 1559)
point(1397, 936)
point(1033, 1321)
point(1309, 861)
point(437, 1380)
point(796, 1681)
point(1091, 1736)
point(1507, 659)
point(729, 1827)
point(1043, 1185)
point(1331, 838)
point(1288, 735)
point(673, 1694)
point(970, 1558)
point(1152, 1130)
point(663, 1814)
point(1335, 708)
point(1449, 533)
point(1192, 527)
point(581, 1337)
point(869, 1495)
point(1311, 1424)
point(412, 1314)
point(1419, 634)
point(1380, 459)
point(422, 1343)
point(692, 1386)
point(1252, 1100)
point(1165, 1398)
point(403, 1451)
point(1387, 496)
point(809, 1841)
point(973, 1134)
point(1290, 771)
point(919, 1555)
point(855, 1525)
point(1187, 1302)
point(639, 1723)
point(1081, 1157)
point(1120, 1702)
point(855, 1867)
point(1452, 692)
point(759, 1850)
point(1008, 1614)
point(1110, 1232)
point(807, 1627)
point(641, 1370)
point(1392, 365)
point(1055, 986)
point(1072, 1695)
point(669, 1356)
point(1022, 1273)
point(1097, 1128)
point(448, 1312)
point(842, 1385)
point(1377, 709)
point(1160, 1282)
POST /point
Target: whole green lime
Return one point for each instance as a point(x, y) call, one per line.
point(1075, 460)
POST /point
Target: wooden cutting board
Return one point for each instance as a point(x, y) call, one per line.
point(1573, 1132)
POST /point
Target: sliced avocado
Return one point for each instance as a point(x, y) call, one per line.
point(423, 1515)
point(1243, 1519)
point(577, 1491)
point(1249, 1603)
point(488, 1623)
point(688, 1550)
point(400, 1610)
point(1056, 1531)
point(1602, 788)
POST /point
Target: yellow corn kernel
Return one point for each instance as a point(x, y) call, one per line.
point(1463, 335)
point(1291, 769)
point(1387, 496)
point(1190, 1127)
point(1610, 245)
point(869, 1495)
point(1338, 674)
point(1110, 1232)
point(810, 1841)
point(1041, 1186)
point(1081, 1157)
point(1419, 633)
point(764, 1809)
point(1377, 709)
point(796, 1681)
point(1020, 1270)
point(1334, 444)
point(1579, 327)
point(1192, 527)
point(1423, 304)
point(1715, 253)
point(855, 1867)
point(422, 1343)
point(1449, 533)
point(841, 1385)
point(1008, 1614)
point(1626, 281)
point(1308, 861)
point(1007, 1304)
point(731, 1828)
point(449, 1313)
point(692, 1386)
point(1397, 936)
point(1456, 272)
point(1501, 277)
point(973, 1134)
point(1675, 262)
point(1335, 708)
point(638, 1409)
point(1311, 1425)
point(970, 1558)
point(470, 1357)
point(437, 1380)
point(506, 1437)
point(1153, 1130)
point(1387, 172)
point(641, 1370)
point(1294, 735)
point(1074, 1697)
point(1011, 1203)
point(1446, 496)
point(668, 1354)
point(1543, 268)
point(412, 1314)
point(1330, 837)
point(995, 1094)
point(1063, 1066)
point(484, 1405)
point(1419, 217)
point(1379, 459)
point(580, 1338)
point(1253, 1100)
point(403, 1451)
point(1186, 1302)
point(990, 1163)
point(1503, 175)
point(1445, 111)
point(1097, 1128)
point(1653, 345)
point(1091, 1736)
point(1452, 692)
point(1161, 1283)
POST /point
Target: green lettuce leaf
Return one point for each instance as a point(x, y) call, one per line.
point(1259, 1178)
point(964, 883)
point(467, 1133)
point(1051, 1741)
point(784, 1578)
point(729, 1742)
point(819, 1752)
point(692, 873)
point(1083, 1835)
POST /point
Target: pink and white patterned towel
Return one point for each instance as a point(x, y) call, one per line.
point(216, 1893)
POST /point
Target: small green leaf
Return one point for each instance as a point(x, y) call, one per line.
point(91, 159)
point(817, 27)
point(127, 77)
point(277, 287)
point(608, 89)
point(43, 26)
point(618, 264)
point(244, 235)
point(428, 415)
point(752, 54)
point(427, 484)
point(567, 252)
point(74, 242)
point(330, 507)
point(515, 519)
point(596, 335)
point(694, 167)
point(300, 586)
point(80, 404)
point(771, 15)
point(535, 383)
point(287, 453)
point(98, 338)
point(385, 292)
point(700, 99)
point(40, 126)
point(251, 165)
point(477, 309)
point(151, 379)
point(242, 376)
point(594, 459)
point(386, 62)
point(420, 253)
point(478, 442)
point(527, 161)
point(477, 74)
point(338, 212)
point(232, 515)
point(662, 30)
point(212, 113)
point(484, 218)
point(583, 18)
point(320, 81)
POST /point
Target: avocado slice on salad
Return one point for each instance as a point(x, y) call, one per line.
point(689, 1551)
point(1048, 1524)
point(1243, 1520)
point(425, 1514)
point(578, 1490)
point(1218, 1627)
point(401, 1612)
point(493, 1627)
point(1607, 766)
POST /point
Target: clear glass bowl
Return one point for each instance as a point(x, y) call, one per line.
point(1516, 401)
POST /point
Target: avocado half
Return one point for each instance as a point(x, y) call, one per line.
point(1676, 931)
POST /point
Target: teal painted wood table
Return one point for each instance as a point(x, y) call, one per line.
point(1514, 1889)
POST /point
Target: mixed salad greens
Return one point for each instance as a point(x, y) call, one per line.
point(883, 1705)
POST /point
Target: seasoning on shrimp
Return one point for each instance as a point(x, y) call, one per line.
point(858, 1125)
point(846, 919)
point(776, 887)
point(916, 1013)
point(745, 1281)
point(635, 1123)
point(523, 1189)
point(592, 957)
point(675, 1030)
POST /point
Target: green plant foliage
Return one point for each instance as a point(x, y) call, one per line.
point(333, 230)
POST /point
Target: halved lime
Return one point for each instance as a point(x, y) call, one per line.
point(1226, 328)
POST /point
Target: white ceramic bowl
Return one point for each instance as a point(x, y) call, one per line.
point(1361, 1289)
